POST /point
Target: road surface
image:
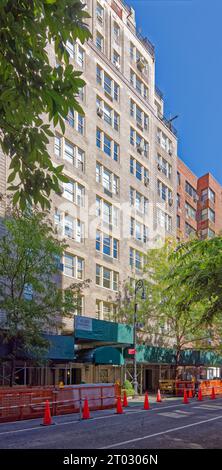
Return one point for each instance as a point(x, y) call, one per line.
point(170, 424)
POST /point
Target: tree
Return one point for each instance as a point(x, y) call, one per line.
point(166, 322)
point(30, 87)
point(31, 296)
point(197, 274)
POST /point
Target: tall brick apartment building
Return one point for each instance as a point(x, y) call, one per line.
point(121, 161)
point(199, 204)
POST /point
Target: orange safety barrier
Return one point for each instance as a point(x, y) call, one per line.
point(207, 385)
point(26, 403)
point(177, 387)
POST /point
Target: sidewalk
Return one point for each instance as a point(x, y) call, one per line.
point(152, 399)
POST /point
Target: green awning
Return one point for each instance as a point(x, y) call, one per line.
point(103, 355)
point(90, 329)
point(108, 355)
point(61, 348)
point(189, 357)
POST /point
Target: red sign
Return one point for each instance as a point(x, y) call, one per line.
point(131, 351)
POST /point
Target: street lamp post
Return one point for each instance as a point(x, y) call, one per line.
point(138, 285)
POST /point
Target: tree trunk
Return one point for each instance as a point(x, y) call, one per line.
point(13, 356)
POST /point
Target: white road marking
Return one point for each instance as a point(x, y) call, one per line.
point(161, 433)
point(172, 415)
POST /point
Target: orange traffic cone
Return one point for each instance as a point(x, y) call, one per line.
point(190, 393)
point(146, 405)
point(85, 413)
point(119, 408)
point(158, 397)
point(200, 397)
point(125, 401)
point(213, 395)
point(185, 399)
point(47, 420)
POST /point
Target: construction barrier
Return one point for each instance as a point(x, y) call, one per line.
point(207, 385)
point(176, 387)
point(26, 403)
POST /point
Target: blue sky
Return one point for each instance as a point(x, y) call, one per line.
point(187, 35)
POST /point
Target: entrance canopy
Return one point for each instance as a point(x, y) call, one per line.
point(103, 355)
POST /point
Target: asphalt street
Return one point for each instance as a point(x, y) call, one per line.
point(170, 424)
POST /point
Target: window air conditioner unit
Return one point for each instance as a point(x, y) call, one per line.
point(139, 149)
point(159, 167)
point(117, 65)
point(99, 111)
point(170, 202)
point(146, 181)
point(170, 152)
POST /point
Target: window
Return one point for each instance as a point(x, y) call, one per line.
point(107, 178)
point(110, 87)
point(136, 259)
point(178, 178)
point(139, 115)
point(99, 13)
point(75, 120)
point(137, 141)
point(80, 56)
point(73, 266)
point(178, 200)
point(212, 196)
point(211, 215)
point(106, 278)
point(116, 59)
point(107, 244)
point(106, 310)
point(69, 152)
point(189, 230)
point(116, 32)
point(74, 192)
point(76, 52)
point(70, 118)
point(164, 192)
point(190, 211)
point(58, 146)
point(99, 41)
point(107, 113)
point(191, 191)
point(178, 221)
point(139, 171)
point(107, 145)
point(107, 84)
point(132, 51)
point(164, 220)
point(81, 93)
point(138, 84)
point(164, 166)
point(208, 194)
point(164, 142)
point(73, 228)
point(108, 212)
point(138, 201)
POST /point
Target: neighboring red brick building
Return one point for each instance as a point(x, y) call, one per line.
point(199, 204)
point(209, 214)
point(186, 201)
